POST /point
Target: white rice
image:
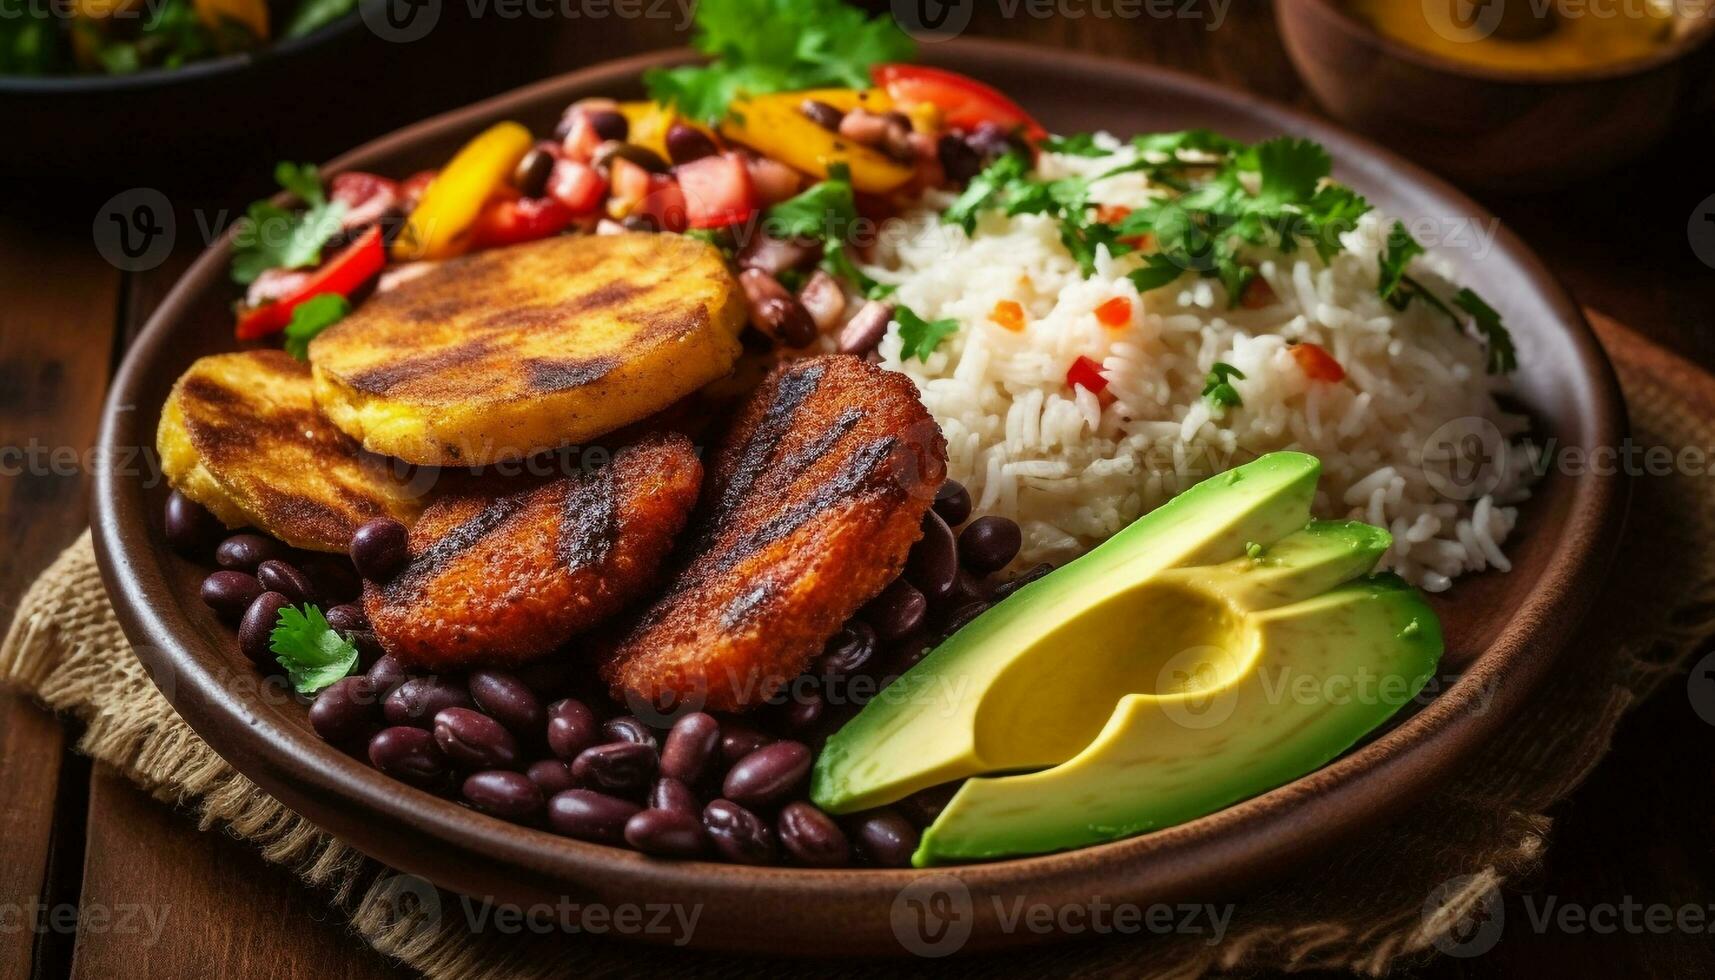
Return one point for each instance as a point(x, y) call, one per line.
point(1073, 471)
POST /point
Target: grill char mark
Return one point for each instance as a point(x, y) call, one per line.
point(591, 521)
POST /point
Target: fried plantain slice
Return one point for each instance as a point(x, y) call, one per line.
point(498, 579)
point(240, 435)
point(813, 503)
point(509, 352)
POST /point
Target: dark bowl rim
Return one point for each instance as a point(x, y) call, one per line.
point(1696, 36)
point(1235, 844)
point(162, 78)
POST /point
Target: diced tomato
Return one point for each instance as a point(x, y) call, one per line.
point(411, 191)
point(717, 190)
point(1086, 373)
point(1111, 214)
point(367, 197)
point(964, 102)
point(664, 204)
point(1258, 294)
point(1008, 314)
point(578, 186)
point(360, 262)
point(581, 138)
point(1317, 364)
point(1115, 313)
point(508, 222)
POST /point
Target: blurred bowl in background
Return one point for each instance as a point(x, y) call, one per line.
point(1489, 127)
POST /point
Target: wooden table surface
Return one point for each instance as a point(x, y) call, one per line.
point(79, 837)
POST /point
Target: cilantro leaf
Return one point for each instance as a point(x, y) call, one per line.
point(826, 210)
point(763, 46)
point(1186, 141)
point(270, 237)
point(1503, 356)
point(1076, 145)
point(918, 337)
point(1159, 271)
point(1290, 170)
point(310, 318)
point(1401, 249)
point(312, 654)
point(1218, 387)
point(986, 190)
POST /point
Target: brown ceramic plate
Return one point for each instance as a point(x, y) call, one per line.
point(1505, 631)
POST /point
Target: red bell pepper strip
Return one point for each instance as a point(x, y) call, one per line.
point(360, 262)
point(964, 102)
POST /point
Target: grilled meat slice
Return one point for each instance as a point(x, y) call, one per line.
point(240, 435)
point(812, 504)
point(509, 352)
point(505, 578)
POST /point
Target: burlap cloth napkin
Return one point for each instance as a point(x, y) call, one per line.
point(1397, 895)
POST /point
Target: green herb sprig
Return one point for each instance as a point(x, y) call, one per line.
point(270, 237)
point(919, 337)
point(312, 653)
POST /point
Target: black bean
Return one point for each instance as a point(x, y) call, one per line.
point(671, 794)
point(767, 775)
point(886, 838)
point(801, 711)
point(552, 775)
point(897, 612)
point(380, 548)
point(924, 806)
point(958, 158)
point(604, 155)
point(739, 835)
point(691, 743)
point(333, 579)
point(409, 755)
point(686, 143)
point(933, 565)
point(953, 503)
point(473, 740)
point(230, 594)
point(243, 552)
point(386, 674)
point(531, 174)
point(255, 631)
point(346, 618)
point(608, 124)
point(572, 728)
point(812, 837)
point(851, 650)
point(822, 114)
point(418, 700)
point(668, 833)
point(509, 701)
point(865, 329)
point(626, 728)
point(773, 255)
point(621, 767)
point(989, 544)
point(588, 815)
point(344, 709)
point(992, 140)
point(503, 793)
point(775, 311)
point(190, 528)
point(1023, 579)
point(739, 738)
point(284, 578)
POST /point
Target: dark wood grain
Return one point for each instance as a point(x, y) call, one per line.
point(1640, 827)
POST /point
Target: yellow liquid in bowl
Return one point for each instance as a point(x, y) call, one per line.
point(1576, 34)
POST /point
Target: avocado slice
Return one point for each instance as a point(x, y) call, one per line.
point(1189, 662)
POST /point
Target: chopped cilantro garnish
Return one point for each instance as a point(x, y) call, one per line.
point(311, 317)
point(763, 46)
point(1218, 386)
point(1399, 288)
point(1077, 145)
point(270, 237)
point(826, 211)
point(918, 337)
point(1401, 249)
point(313, 655)
point(1503, 357)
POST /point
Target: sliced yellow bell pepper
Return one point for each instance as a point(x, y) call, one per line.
point(649, 122)
point(252, 15)
point(847, 99)
point(772, 125)
point(439, 226)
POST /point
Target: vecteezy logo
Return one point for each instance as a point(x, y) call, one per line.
point(134, 230)
point(932, 916)
point(1465, 458)
point(1478, 926)
point(400, 21)
point(410, 901)
point(932, 20)
point(1700, 688)
point(1701, 231)
point(1464, 20)
point(1192, 693)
